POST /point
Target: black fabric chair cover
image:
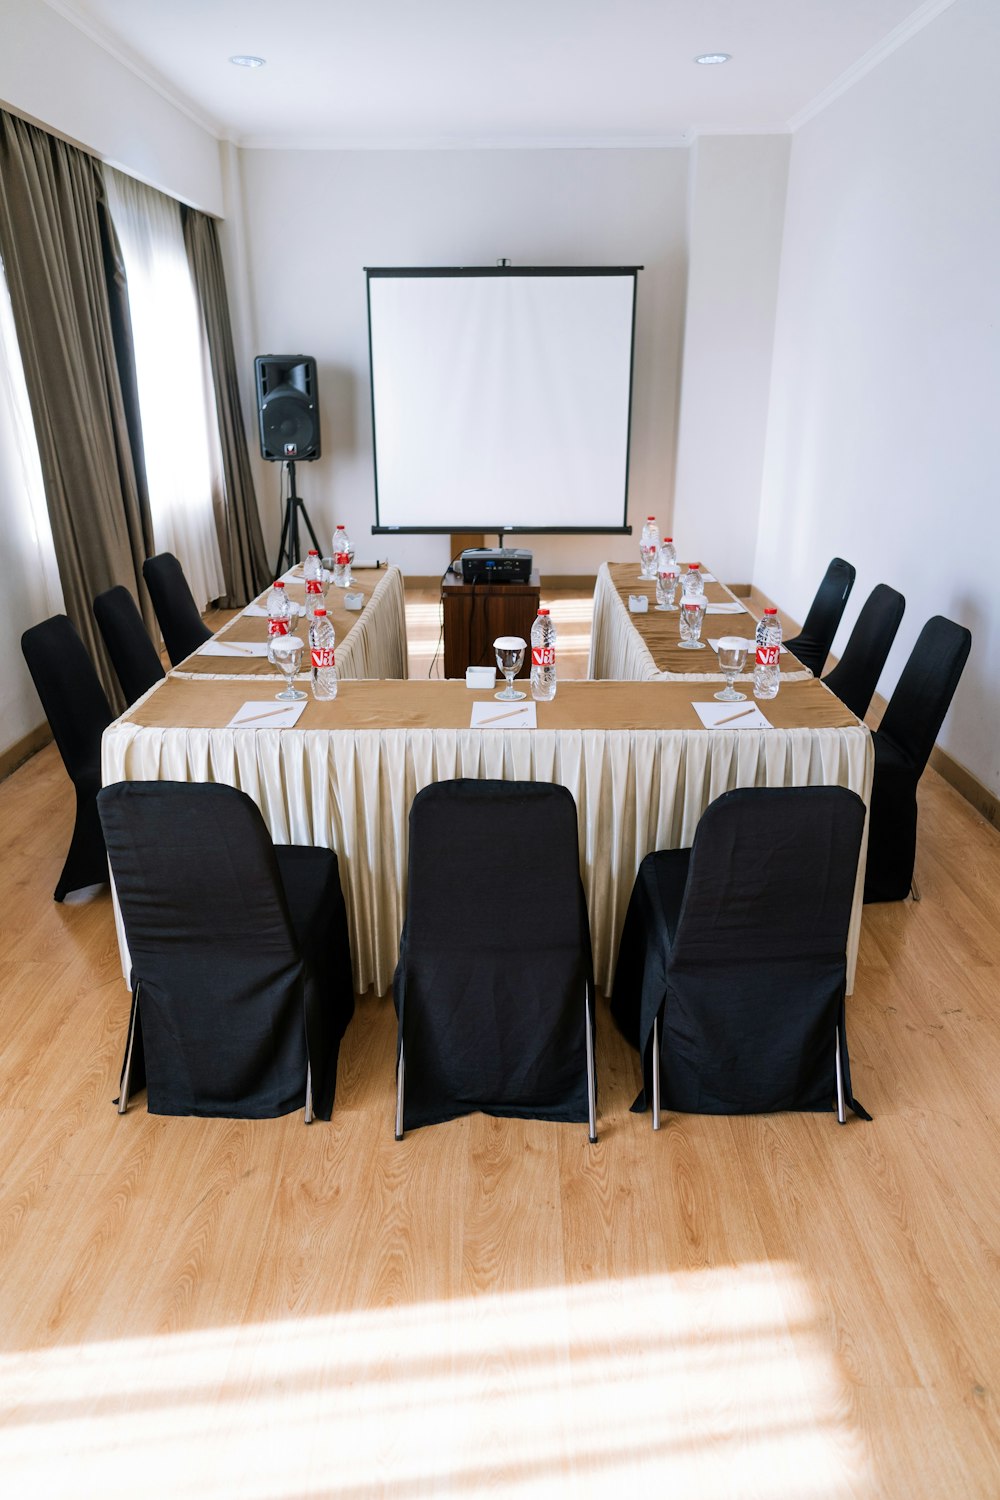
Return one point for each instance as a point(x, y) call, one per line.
point(739, 946)
point(855, 677)
point(180, 620)
point(78, 712)
point(133, 655)
point(240, 961)
point(495, 956)
point(812, 644)
point(903, 743)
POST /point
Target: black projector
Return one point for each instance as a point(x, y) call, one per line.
point(495, 565)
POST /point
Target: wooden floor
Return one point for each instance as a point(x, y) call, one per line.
point(252, 1310)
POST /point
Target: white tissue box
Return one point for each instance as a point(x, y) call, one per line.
point(480, 678)
point(353, 601)
point(638, 604)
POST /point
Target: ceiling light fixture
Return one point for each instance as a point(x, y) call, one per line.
point(246, 60)
point(709, 59)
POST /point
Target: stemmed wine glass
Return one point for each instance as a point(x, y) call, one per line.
point(510, 651)
point(666, 590)
point(285, 652)
point(732, 659)
point(692, 614)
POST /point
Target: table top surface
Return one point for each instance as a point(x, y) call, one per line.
point(405, 705)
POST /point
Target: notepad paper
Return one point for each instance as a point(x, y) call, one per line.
point(717, 715)
point(233, 648)
point(730, 607)
point(498, 715)
point(257, 611)
point(268, 714)
point(750, 653)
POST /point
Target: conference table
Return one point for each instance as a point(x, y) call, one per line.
point(635, 755)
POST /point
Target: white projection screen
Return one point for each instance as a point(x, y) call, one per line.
point(501, 398)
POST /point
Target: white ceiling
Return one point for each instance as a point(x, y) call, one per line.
point(496, 72)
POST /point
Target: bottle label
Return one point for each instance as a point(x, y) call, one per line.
point(767, 656)
point(277, 627)
point(322, 657)
point(342, 559)
point(694, 605)
point(313, 586)
point(543, 656)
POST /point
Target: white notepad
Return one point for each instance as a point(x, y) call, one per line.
point(730, 607)
point(497, 715)
point(233, 648)
point(717, 715)
point(267, 714)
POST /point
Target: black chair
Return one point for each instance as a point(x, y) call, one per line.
point(903, 743)
point(812, 644)
point(732, 967)
point(493, 989)
point(132, 653)
point(241, 980)
point(855, 677)
point(78, 712)
point(179, 617)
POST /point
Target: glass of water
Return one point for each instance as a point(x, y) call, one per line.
point(692, 615)
point(510, 651)
point(286, 653)
point(732, 660)
point(666, 590)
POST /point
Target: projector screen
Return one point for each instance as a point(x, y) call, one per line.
point(501, 398)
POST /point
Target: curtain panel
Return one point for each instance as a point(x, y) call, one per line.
point(56, 239)
point(241, 541)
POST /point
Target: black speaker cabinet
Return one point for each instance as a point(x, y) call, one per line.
point(288, 407)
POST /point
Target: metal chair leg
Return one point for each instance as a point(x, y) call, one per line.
point(591, 1077)
point(400, 1079)
point(656, 1073)
point(129, 1050)
point(914, 890)
point(841, 1106)
point(309, 1094)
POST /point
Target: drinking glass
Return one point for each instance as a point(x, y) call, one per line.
point(732, 660)
point(510, 651)
point(285, 651)
point(666, 590)
point(692, 614)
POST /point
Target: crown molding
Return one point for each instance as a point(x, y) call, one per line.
point(897, 38)
point(669, 140)
point(114, 47)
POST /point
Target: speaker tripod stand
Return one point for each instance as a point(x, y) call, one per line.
point(288, 547)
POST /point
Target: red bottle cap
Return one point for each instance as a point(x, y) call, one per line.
point(773, 611)
point(313, 552)
point(543, 611)
point(668, 538)
point(319, 610)
point(694, 566)
point(278, 583)
point(650, 518)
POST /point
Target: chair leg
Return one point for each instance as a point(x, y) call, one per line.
point(591, 1076)
point(129, 1050)
point(400, 1081)
point(841, 1106)
point(914, 889)
point(309, 1094)
point(656, 1073)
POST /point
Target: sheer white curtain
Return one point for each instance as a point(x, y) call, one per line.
point(30, 575)
point(170, 374)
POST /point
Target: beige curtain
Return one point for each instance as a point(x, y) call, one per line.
point(56, 241)
point(237, 518)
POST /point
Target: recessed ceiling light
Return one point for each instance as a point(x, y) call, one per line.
point(709, 59)
point(244, 60)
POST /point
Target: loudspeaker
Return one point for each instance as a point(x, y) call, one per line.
point(288, 406)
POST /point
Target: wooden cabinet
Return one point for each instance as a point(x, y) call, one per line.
point(476, 613)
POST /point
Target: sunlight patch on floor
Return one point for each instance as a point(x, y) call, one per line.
point(714, 1383)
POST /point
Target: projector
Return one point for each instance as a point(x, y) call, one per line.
point(495, 565)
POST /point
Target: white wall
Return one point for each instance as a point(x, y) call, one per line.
point(884, 434)
point(55, 75)
point(315, 219)
point(737, 202)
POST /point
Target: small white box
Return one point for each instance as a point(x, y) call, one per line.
point(638, 603)
point(480, 678)
point(353, 601)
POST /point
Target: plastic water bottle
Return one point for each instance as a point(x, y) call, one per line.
point(649, 546)
point(543, 657)
point(323, 674)
point(693, 585)
point(279, 611)
point(667, 575)
point(767, 668)
point(312, 572)
point(341, 557)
